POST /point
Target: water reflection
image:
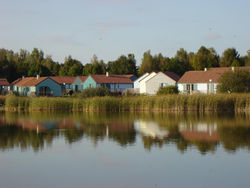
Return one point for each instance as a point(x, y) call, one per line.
point(205, 133)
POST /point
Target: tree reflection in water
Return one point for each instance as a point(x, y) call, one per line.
point(203, 132)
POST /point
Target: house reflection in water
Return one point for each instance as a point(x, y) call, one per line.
point(199, 132)
point(150, 129)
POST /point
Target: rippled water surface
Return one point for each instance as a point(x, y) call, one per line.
point(41, 150)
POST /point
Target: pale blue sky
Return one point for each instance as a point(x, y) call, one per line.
point(110, 28)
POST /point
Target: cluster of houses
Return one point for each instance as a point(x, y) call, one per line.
point(205, 81)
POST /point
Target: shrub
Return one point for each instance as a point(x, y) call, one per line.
point(94, 92)
point(168, 90)
point(234, 81)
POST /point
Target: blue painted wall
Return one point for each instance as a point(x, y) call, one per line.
point(77, 84)
point(89, 82)
point(54, 87)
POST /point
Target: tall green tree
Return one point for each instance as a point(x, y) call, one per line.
point(230, 57)
point(247, 62)
point(147, 63)
point(71, 67)
point(205, 58)
point(182, 56)
point(123, 65)
point(95, 67)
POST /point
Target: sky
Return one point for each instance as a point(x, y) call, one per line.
point(111, 28)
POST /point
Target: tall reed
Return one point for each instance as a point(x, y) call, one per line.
point(167, 103)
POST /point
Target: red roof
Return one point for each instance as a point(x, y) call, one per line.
point(212, 74)
point(30, 81)
point(116, 79)
point(63, 79)
point(82, 78)
point(4, 82)
point(16, 81)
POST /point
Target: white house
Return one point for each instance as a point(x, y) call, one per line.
point(161, 80)
point(201, 81)
point(142, 82)
point(137, 81)
point(151, 83)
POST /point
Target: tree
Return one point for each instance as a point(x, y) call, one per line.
point(95, 67)
point(35, 69)
point(235, 81)
point(247, 63)
point(147, 63)
point(123, 65)
point(182, 56)
point(52, 67)
point(71, 67)
point(205, 58)
point(229, 57)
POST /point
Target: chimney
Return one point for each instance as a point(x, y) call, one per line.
point(23, 77)
point(37, 77)
point(233, 69)
point(205, 69)
point(107, 74)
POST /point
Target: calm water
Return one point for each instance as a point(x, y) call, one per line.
point(124, 150)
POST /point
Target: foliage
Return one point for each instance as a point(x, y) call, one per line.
point(14, 65)
point(230, 57)
point(235, 81)
point(95, 67)
point(205, 58)
point(93, 92)
point(71, 67)
point(123, 65)
point(169, 103)
point(168, 90)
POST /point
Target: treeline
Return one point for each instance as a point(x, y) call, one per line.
point(14, 65)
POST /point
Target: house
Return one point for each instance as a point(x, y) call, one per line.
point(4, 84)
point(142, 82)
point(115, 83)
point(154, 81)
point(39, 86)
point(77, 85)
point(137, 81)
point(66, 83)
point(205, 81)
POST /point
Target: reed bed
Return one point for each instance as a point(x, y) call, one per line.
point(167, 103)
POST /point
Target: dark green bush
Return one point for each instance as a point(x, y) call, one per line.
point(168, 90)
point(237, 81)
point(94, 92)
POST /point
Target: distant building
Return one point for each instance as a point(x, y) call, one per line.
point(66, 83)
point(115, 83)
point(77, 85)
point(4, 84)
point(151, 83)
point(205, 81)
point(37, 86)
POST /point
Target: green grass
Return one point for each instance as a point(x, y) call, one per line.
point(167, 103)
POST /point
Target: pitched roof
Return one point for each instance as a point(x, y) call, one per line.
point(63, 79)
point(4, 82)
point(172, 75)
point(119, 79)
point(212, 74)
point(82, 78)
point(15, 81)
point(30, 81)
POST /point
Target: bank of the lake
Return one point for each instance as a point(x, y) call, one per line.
point(168, 103)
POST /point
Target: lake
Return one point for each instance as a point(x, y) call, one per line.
point(111, 150)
